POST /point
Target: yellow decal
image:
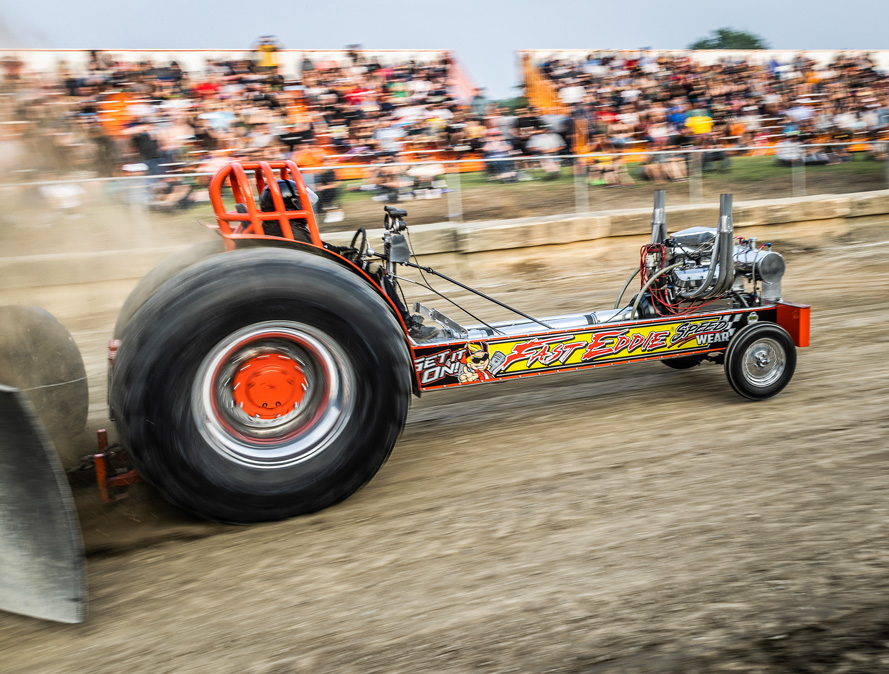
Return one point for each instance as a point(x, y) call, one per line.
point(603, 345)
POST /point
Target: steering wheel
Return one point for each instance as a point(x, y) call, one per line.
point(360, 249)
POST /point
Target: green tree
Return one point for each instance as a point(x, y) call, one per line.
point(729, 38)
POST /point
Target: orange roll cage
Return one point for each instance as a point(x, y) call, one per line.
point(248, 223)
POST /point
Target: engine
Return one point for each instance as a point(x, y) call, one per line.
point(693, 249)
point(703, 265)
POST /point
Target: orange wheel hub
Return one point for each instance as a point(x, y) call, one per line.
point(269, 386)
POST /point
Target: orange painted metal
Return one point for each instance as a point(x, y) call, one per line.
point(102, 466)
point(237, 225)
point(107, 476)
point(269, 386)
point(795, 319)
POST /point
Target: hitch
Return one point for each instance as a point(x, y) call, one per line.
point(113, 473)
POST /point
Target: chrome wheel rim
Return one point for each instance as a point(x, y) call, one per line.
point(764, 362)
point(273, 394)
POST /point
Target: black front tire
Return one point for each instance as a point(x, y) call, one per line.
point(760, 361)
point(328, 359)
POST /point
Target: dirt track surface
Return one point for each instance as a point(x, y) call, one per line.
point(628, 519)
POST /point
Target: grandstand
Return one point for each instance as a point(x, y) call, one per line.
point(95, 112)
point(343, 106)
point(647, 99)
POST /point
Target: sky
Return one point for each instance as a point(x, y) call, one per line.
point(484, 34)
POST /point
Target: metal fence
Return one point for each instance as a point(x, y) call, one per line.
point(517, 186)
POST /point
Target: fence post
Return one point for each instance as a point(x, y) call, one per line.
point(138, 195)
point(799, 178)
point(695, 180)
point(455, 195)
point(581, 191)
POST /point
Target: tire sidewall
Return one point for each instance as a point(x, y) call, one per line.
point(148, 286)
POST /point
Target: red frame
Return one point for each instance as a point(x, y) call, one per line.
point(235, 225)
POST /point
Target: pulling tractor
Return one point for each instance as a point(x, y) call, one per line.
point(269, 374)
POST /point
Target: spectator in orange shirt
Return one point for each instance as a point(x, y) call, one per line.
point(308, 156)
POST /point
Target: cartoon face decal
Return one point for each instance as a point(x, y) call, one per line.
point(475, 364)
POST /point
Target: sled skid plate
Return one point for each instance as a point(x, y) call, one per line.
point(42, 571)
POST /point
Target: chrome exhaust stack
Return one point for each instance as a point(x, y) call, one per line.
point(659, 218)
point(721, 265)
point(726, 237)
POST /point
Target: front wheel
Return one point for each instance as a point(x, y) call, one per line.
point(260, 385)
point(760, 361)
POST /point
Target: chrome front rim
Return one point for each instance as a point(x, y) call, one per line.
point(273, 394)
point(764, 362)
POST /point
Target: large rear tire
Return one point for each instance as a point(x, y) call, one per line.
point(262, 385)
point(148, 285)
point(166, 269)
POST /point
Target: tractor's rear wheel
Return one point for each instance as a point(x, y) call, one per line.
point(148, 285)
point(272, 385)
point(166, 269)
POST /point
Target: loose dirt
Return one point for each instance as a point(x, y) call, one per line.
point(628, 519)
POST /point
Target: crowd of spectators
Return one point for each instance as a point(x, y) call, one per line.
point(116, 117)
point(673, 102)
point(117, 113)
